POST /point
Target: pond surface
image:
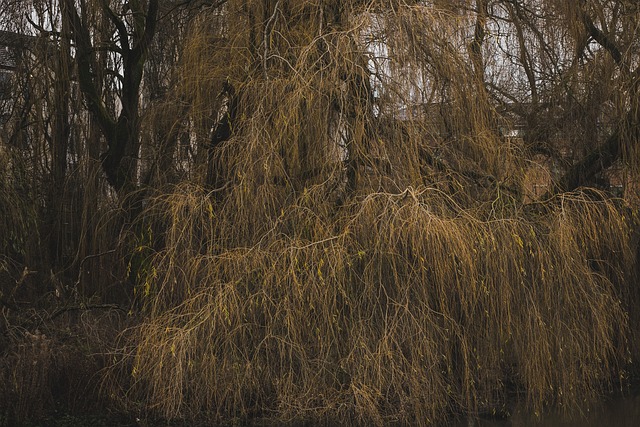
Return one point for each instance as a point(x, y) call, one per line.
point(619, 411)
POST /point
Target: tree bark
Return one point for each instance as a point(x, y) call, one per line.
point(59, 148)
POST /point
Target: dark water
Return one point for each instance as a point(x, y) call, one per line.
point(620, 411)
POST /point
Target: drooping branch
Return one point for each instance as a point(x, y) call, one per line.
point(600, 37)
point(478, 37)
point(151, 19)
point(120, 27)
point(221, 133)
point(516, 15)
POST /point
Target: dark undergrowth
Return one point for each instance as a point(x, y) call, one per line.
point(52, 362)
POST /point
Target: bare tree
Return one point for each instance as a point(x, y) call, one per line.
point(134, 28)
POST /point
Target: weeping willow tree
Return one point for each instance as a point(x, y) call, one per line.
point(360, 239)
point(362, 212)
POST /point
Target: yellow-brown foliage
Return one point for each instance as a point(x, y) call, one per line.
point(397, 307)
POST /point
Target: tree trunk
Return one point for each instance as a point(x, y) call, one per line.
point(59, 150)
